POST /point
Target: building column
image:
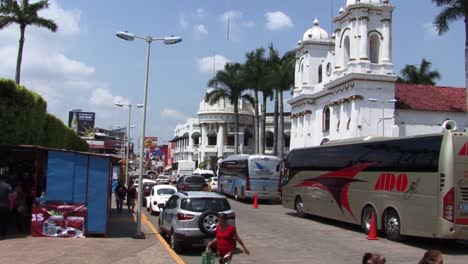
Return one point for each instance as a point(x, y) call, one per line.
point(386, 41)
point(338, 49)
point(353, 40)
point(203, 142)
point(220, 140)
point(304, 130)
point(241, 141)
point(363, 39)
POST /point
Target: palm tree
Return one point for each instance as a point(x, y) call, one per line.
point(232, 87)
point(24, 14)
point(421, 75)
point(255, 74)
point(453, 10)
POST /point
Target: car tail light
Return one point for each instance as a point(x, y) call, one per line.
point(247, 184)
point(181, 216)
point(231, 216)
point(183, 187)
point(449, 202)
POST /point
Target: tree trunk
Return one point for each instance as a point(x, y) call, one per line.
point(236, 128)
point(20, 54)
point(256, 125)
point(263, 131)
point(281, 127)
point(275, 138)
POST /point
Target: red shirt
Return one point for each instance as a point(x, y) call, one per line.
point(225, 239)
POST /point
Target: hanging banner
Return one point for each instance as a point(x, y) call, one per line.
point(58, 220)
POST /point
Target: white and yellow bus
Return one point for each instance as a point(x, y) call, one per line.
point(416, 186)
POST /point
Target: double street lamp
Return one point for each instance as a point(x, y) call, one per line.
point(168, 41)
point(375, 100)
point(127, 153)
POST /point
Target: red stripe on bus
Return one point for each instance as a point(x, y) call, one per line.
point(462, 221)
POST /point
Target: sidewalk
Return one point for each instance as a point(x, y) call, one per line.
point(119, 247)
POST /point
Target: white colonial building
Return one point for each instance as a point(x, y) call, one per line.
point(345, 84)
point(211, 135)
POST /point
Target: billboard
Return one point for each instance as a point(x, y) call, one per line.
point(82, 123)
point(151, 142)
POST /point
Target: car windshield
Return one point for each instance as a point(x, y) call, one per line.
point(166, 191)
point(195, 180)
point(149, 186)
point(204, 204)
point(163, 177)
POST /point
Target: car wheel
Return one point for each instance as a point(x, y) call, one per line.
point(299, 206)
point(175, 245)
point(393, 226)
point(366, 218)
point(208, 222)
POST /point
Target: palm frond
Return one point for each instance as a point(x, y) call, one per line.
point(38, 6)
point(448, 15)
point(44, 23)
point(6, 21)
point(249, 98)
point(212, 97)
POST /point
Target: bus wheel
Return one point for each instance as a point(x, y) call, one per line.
point(393, 226)
point(236, 195)
point(299, 205)
point(366, 218)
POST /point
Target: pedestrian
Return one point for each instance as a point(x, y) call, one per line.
point(131, 196)
point(5, 190)
point(370, 258)
point(432, 257)
point(226, 235)
point(120, 193)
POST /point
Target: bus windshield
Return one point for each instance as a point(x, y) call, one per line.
point(264, 167)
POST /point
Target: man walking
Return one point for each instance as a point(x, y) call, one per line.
point(5, 190)
point(120, 193)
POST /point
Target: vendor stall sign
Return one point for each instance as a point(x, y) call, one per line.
point(58, 220)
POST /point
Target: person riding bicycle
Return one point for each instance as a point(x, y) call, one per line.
point(226, 235)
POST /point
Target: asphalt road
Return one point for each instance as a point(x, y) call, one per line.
point(274, 234)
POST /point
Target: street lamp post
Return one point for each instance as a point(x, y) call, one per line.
point(167, 40)
point(375, 100)
point(127, 153)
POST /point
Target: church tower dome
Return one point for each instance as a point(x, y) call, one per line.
point(315, 33)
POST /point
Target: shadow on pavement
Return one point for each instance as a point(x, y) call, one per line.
point(448, 247)
point(121, 224)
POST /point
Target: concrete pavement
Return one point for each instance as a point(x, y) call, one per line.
point(119, 247)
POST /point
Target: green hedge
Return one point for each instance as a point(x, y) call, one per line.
point(24, 121)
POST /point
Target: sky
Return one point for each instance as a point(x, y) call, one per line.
point(85, 66)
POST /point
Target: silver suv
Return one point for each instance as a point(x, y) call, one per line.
point(191, 218)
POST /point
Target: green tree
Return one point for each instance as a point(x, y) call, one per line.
point(24, 14)
point(421, 75)
point(255, 72)
point(230, 84)
point(453, 10)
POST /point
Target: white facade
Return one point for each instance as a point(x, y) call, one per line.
point(211, 135)
point(335, 78)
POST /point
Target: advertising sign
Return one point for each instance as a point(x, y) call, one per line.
point(58, 220)
point(151, 142)
point(82, 123)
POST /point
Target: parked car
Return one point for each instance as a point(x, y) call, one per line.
point(163, 179)
point(147, 186)
point(191, 183)
point(214, 184)
point(158, 197)
point(136, 182)
point(190, 219)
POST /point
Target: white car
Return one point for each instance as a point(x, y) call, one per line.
point(214, 184)
point(136, 182)
point(163, 179)
point(158, 197)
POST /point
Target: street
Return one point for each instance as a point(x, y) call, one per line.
point(274, 234)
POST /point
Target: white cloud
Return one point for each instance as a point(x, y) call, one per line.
point(67, 20)
point(205, 64)
point(183, 21)
point(200, 29)
point(172, 114)
point(430, 29)
point(250, 24)
point(277, 20)
point(200, 12)
point(103, 97)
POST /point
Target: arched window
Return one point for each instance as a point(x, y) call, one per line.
point(326, 119)
point(374, 48)
point(346, 51)
point(320, 73)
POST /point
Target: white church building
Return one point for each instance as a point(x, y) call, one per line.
point(345, 84)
